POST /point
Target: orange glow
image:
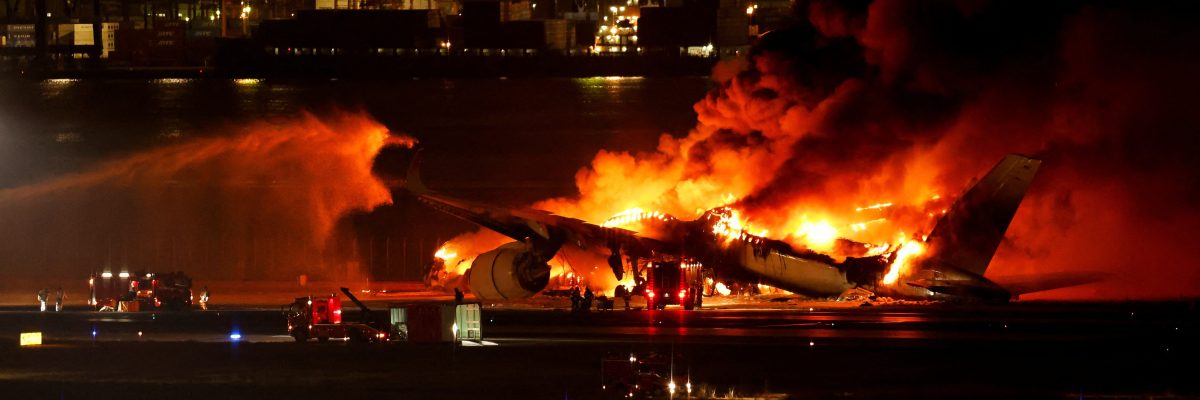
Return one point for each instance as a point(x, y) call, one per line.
point(878, 206)
point(260, 201)
point(904, 256)
point(819, 236)
point(633, 216)
point(445, 254)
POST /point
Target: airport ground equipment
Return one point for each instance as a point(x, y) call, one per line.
point(438, 322)
point(126, 291)
point(320, 317)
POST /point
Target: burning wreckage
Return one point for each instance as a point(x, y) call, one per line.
point(947, 264)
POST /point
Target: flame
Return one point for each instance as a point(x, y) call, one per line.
point(444, 253)
point(818, 236)
point(908, 250)
point(721, 289)
point(633, 216)
point(878, 206)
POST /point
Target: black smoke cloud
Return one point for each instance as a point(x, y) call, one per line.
point(1102, 92)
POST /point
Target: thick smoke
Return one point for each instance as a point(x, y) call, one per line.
point(259, 204)
point(906, 102)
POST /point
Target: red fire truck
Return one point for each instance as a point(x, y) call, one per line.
point(321, 317)
point(672, 282)
point(126, 291)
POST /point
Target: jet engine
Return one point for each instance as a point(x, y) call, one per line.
point(511, 271)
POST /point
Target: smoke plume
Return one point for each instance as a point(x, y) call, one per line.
point(901, 104)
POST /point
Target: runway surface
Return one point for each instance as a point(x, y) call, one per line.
point(1021, 350)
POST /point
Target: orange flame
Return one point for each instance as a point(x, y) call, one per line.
point(904, 256)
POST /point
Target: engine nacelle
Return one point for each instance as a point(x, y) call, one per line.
point(510, 271)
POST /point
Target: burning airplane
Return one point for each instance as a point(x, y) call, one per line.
point(947, 264)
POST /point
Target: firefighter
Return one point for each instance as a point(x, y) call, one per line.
point(620, 292)
point(204, 298)
point(587, 299)
point(458, 296)
point(58, 300)
point(575, 298)
point(43, 296)
point(627, 295)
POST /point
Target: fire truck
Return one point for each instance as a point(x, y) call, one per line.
point(673, 282)
point(321, 317)
point(126, 291)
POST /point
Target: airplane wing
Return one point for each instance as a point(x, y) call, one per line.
point(540, 228)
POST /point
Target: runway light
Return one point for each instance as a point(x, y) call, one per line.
point(31, 338)
point(235, 336)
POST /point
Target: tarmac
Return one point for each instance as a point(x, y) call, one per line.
point(765, 347)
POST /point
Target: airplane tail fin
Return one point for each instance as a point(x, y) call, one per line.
point(968, 235)
point(412, 180)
